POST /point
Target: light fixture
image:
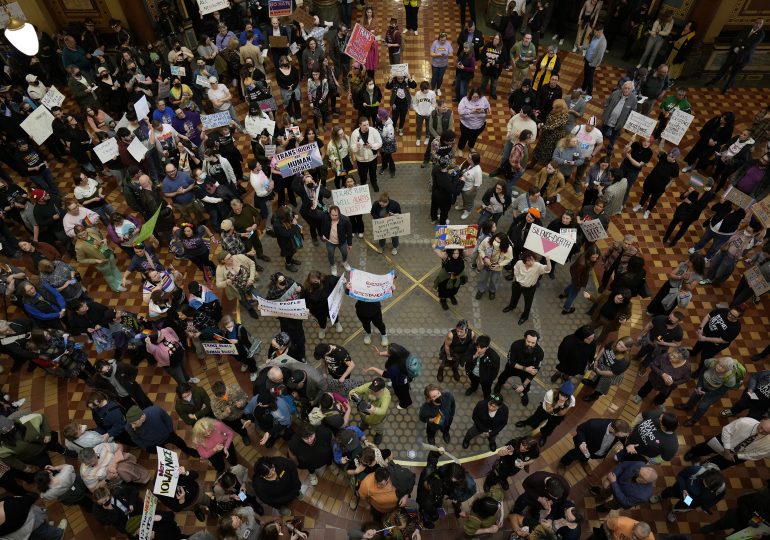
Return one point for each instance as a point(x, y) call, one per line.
point(21, 35)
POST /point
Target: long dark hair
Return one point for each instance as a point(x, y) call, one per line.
point(397, 355)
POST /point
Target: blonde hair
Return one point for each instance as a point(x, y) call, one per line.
point(201, 429)
point(564, 141)
point(559, 105)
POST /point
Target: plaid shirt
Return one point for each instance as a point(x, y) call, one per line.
point(518, 154)
point(233, 244)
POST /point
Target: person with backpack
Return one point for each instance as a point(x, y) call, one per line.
point(717, 376)
point(396, 371)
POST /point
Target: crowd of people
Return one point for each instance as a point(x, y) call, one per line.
point(211, 205)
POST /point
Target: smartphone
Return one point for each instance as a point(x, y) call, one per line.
point(688, 500)
point(242, 496)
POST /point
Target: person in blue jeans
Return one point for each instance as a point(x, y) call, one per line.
point(440, 51)
point(723, 263)
point(580, 272)
point(717, 377)
point(719, 228)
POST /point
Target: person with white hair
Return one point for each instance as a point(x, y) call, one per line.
point(716, 377)
point(35, 88)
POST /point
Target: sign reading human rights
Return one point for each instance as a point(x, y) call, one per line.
point(548, 243)
point(359, 43)
point(761, 211)
point(371, 287)
point(168, 473)
point(293, 309)
point(456, 236)
point(737, 197)
point(219, 347)
point(353, 201)
point(298, 159)
point(756, 280)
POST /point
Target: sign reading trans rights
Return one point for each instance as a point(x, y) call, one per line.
point(548, 243)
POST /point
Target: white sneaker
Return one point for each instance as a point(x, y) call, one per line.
point(458, 207)
point(63, 525)
point(360, 235)
point(321, 333)
point(253, 376)
point(688, 168)
point(637, 399)
point(367, 339)
point(637, 207)
point(415, 33)
point(574, 49)
point(338, 327)
point(691, 250)
point(638, 66)
point(427, 140)
point(646, 214)
point(384, 340)
point(438, 92)
point(394, 251)
point(417, 142)
point(346, 266)
point(561, 41)
point(193, 380)
point(334, 270)
point(244, 367)
point(313, 479)
point(19, 402)
point(465, 215)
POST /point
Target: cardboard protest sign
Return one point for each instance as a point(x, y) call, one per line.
point(298, 159)
point(548, 243)
point(737, 197)
point(279, 8)
point(209, 6)
point(456, 236)
point(213, 121)
point(168, 473)
point(399, 70)
point(107, 150)
point(302, 16)
point(278, 42)
point(640, 124)
point(334, 301)
point(355, 201)
point(137, 149)
point(593, 230)
point(164, 89)
point(293, 309)
point(38, 125)
point(142, 108)
point(677, 126)
point(388, 227)
point(52, 98)
point(269, 150)
point(178, 70)
point(761, 211)
point(371, 287)
point(359, 43)
point(219, 347)
point(267, 105)
point(148, 515)
point(202, 81)
point(756, 280)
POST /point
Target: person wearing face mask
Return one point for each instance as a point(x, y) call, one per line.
point(437, 412)
point(312, 209)
point(179, 53)
point(364, 145)
point(83, 88)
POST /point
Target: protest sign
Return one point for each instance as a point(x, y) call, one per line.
point(269, 150)
point(213, 121)
point(148, 515)
point(399, 70)
point(148, 227)
point(371, 287)
point(761, 210)
point(267, 105)
point(456, 236)
point(209, 6)
point(294, 48)
point(302, 16)
point(388, 227)
point(293, 309)
point(359, 43)
point(52, 98)
point(278, 42)
point(279, 8)
point(254, 125)
point(318, 33)
point(334, 301)
point(178, 70)
point(142, 108)
point(569, 233)
point(137, 149)
point(677, 126)
point(593, 230)
point(737, 197)
point(168, 473)
point(202, 81)
point(219, 347)
point(38, 125)
point(355, 201)
point(640, 124)
point(107, 150)
point(548, 243)
point(164, 89)
point(756, 280)
point(298, 159)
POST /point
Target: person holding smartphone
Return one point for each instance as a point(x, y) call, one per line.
point(697, 487)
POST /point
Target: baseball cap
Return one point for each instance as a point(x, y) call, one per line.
point(377, 384)
point(37, 194)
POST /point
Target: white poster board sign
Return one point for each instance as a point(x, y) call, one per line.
point(355, 201)
point(756, 280)
point(569, 233)
point(52, 98)
point(334, 301)
point(388, 227)
point(371, 287)
point(677, 126)
point(209, 6)
point(107, 150)
point(202, 81)
point(142, 108)
point(293, 309)
point(213, 121)
point(640, 124)
point(148, 515)
point(178, 70)
point(548, 243)
point(219, 347)
point(593, 230)
point(168, 473)
point(399, 70)
point(38, 125)
point(137, 149)
point(254, 125)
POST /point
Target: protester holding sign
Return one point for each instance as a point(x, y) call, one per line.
point(400, 99)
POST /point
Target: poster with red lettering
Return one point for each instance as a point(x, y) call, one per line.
point(359, 43)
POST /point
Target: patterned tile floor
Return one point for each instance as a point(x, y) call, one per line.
point(414, 314)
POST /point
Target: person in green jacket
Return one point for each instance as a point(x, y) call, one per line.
point(377, 395)
point(24, 444)
point(192, 403)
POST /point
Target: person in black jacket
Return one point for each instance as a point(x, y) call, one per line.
point(287, 232)
point(489, 418)
point(715, 133)
point(441, 193)
point(688, 211)
point(382, 208)
point(482, 367)
point(316, 291)
point(594, 439)
point(666, 170)
point(118, 377)
point(727, 218)
point(115, 507)
point(741, 50)
point(276, 482)
point(469, 29)
point(437, 412)
point(400, 99)
point(88, 316)
point(340, 238)
point(524, 359)
point(306, 186)
point(13, 339)
point(514, 456)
